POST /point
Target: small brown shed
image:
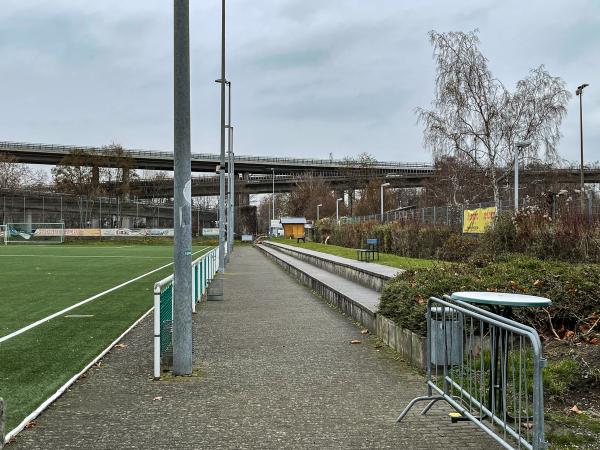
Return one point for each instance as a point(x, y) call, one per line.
point(293, 227)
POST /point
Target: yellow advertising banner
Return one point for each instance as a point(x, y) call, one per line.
point(475, 221)
point(82, 232)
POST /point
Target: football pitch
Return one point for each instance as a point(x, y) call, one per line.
point(37, 282)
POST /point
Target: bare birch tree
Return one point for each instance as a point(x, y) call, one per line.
point(475, 118)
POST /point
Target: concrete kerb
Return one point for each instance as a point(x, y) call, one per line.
point(360, 275)
point(410, 346)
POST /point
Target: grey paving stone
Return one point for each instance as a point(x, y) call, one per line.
point(277, 371)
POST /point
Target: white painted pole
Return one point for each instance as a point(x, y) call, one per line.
point(157, 331)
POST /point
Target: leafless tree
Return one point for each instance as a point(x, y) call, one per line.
point(118, 171)
point(455, 182)
point(77, 173)
point(369, 199)
point(309, 192)
point(13, 175)
point(475, 118)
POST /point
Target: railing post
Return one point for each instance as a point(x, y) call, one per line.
point(193, 288)
point(2, 414)
point(157, 331)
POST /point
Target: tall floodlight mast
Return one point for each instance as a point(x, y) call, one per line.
point(182, 188)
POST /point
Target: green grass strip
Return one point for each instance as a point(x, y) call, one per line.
point(385, 259)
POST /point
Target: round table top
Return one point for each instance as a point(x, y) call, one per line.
point(501, 299)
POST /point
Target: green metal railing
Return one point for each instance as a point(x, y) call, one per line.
point(203, 271)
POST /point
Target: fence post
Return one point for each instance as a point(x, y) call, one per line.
point(1, 423)
point(157, 331)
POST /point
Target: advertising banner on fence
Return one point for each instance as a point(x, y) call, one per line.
point(210, 231)
point(475, 221)
point(82, 232)
point(126, 232)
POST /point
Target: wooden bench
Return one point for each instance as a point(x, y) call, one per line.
point(369, 251)
point(301, 238)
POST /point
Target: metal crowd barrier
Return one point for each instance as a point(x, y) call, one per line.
point(203, 271)
point(489, 369)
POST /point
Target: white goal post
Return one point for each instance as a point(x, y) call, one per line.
point(33, 233)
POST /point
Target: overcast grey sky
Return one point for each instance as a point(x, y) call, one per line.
point(310, 77)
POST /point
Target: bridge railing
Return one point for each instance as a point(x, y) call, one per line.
point(277, 161)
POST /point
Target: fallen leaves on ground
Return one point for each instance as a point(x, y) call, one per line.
point(157, 398)
point(364, 332)
point(121, 346)
point(576, 410)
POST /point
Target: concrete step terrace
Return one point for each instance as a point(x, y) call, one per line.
point(368, 274)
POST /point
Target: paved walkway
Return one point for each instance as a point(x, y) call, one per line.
point(277, 371)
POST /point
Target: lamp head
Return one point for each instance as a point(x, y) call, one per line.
point(340, 199)
point(319, 205)
point(522, 144)
point(385, 184)
point(579, 90)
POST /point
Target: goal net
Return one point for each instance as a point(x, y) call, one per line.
point(33, 233)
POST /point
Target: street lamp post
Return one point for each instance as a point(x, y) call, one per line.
point(318, 206)
point(383, 185)
point(216, 288)
point(230, 173)
point(337, 209)
point(273, 197)
point(519, 145)
point(231, 190)
point(579, 93)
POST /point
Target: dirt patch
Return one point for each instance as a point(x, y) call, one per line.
point(584, 384)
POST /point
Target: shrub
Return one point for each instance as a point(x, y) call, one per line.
point(573, 288)
point(458, 247)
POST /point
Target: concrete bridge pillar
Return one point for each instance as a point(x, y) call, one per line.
point(95, 178)
point(242, 199)
point(126, 184)
point(350, 202)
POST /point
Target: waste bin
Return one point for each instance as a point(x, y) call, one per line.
point(446, 336)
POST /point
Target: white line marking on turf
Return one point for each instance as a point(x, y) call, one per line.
point(89, 256)
point(83, 302)
point(69, 383)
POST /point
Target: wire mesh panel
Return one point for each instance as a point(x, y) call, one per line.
point(166, 320)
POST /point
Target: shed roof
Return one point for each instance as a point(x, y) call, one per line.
point(292, 220)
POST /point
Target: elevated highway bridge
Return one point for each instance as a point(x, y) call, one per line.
point(203, 162)
point(254, 174)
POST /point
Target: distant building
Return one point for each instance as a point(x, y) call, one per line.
point(293, 227)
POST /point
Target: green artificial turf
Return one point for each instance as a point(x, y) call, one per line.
point(33, 365)
point(386, 259)
point(36, 281)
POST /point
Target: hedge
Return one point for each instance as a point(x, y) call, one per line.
point(573, 288)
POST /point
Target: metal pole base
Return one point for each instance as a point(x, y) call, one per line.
point(430, 398)
point(215, 289)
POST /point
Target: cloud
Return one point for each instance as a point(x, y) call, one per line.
point(309, 77)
